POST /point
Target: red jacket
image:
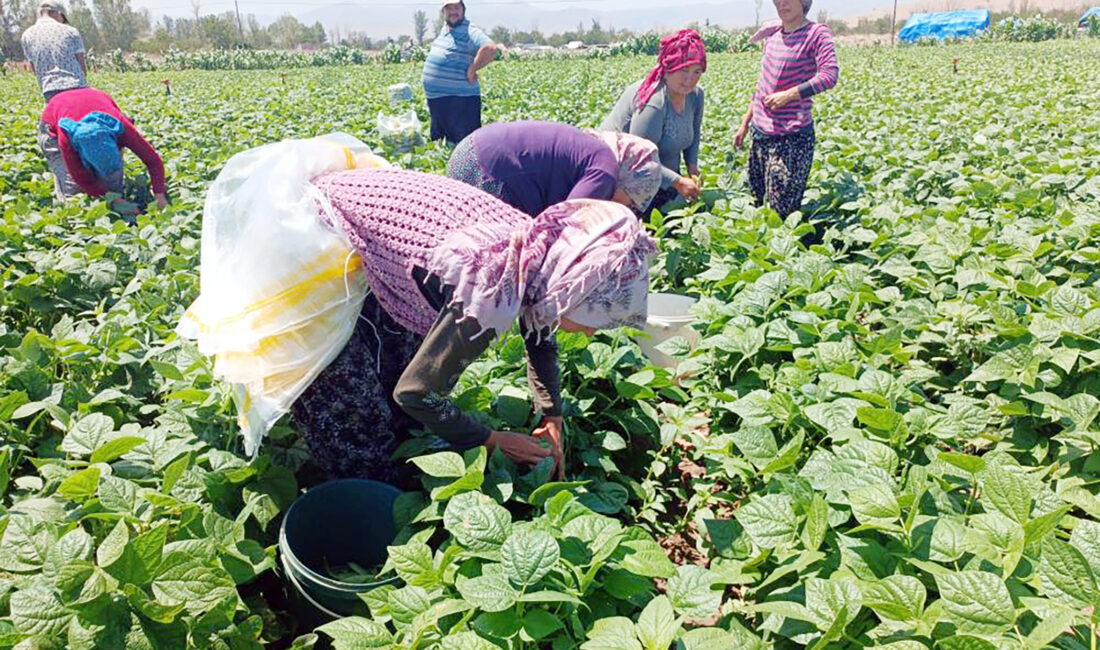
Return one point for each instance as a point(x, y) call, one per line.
point(76, 104)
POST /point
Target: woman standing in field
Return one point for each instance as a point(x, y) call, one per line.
point(799, 62)
point(533, 165)
point(666, 108)
point(450, 268)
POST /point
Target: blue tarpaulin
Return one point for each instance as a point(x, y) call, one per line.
point(944, 24)
point(1095, 11)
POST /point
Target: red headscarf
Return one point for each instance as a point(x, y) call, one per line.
point(678, 51)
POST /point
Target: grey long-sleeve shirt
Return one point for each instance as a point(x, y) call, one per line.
point(448, 348)
point(676, 135)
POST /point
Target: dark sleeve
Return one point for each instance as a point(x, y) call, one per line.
point(691, 154)
point(543, 374)
point(424, 388)
point(133, 141)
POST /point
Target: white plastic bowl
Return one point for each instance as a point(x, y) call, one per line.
point(669, 317)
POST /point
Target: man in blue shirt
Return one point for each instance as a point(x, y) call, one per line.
point(450, 74)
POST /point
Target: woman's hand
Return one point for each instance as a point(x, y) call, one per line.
point(782, 98)
point(693, 171)
point(518, 447)
point(551, 429)
point(162, 200)
point(687, 188)
point(739, 139)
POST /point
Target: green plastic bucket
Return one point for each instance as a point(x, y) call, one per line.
point(342, 521)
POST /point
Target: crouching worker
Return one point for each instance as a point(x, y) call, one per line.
point(82, 133)
point(450, 268)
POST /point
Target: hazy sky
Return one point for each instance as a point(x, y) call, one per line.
point(297, 7)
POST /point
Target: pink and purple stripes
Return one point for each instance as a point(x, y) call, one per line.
point(804, 58)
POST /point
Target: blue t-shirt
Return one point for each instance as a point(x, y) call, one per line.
point(448, 61)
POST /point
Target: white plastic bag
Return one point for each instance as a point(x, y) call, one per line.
point(280, 290)
point(399, 94)
point(401, 131)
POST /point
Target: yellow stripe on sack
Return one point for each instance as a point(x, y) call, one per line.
point(350, 156)
point(288, 297)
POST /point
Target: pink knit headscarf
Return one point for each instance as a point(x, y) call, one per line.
point(681, 50)
point(583, 257)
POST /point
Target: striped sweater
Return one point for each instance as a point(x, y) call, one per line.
point(804, 58)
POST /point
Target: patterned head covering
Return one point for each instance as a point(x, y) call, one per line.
point(681, 50)
point(639, 165)
point(582, 258)
point(95, 140)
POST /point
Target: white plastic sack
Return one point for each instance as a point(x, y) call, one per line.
point(280, 290)
point(401, 131)
point(399, 94)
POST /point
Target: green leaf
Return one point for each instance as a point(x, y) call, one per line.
point(408, 602)
point(833, 599)
point(528, 555)
point(965, 462)
point(657, 626)
point(116, 448)
point(647, 558)
point(87, 434)
point(113, 545)
point(896, 597)
point(1009, 492)
point(882, 419)
point(948, 541)
point(817, 523)
point(769, 520)
point(613, 633)
point(691, 594)
point(194, 584)
point(490, 593)
point(874, 504)
point(81, 485)
point(787, 457)
point(964, 642)
point(476, 521)
point(467, 641)
point(445, 464)
point(38, 611)
point(1065, 574)
point(539, 624)
point(356, 633)
point(1086, 539)
point(977, 602)
point(413, 563)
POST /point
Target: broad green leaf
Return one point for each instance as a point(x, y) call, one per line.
point(408, 602)
point(81, 485)
point(445, 464)
point(1086, 539)
point(1065, 574)
point(467, 641)
point(357, 633)
point(87, 434)
point(476, 521)
point(528, 555)
point(193, 583)
point(691, 594)
point(977, 602)
point(965, 642)
point(413, 563)
point(490, 593)
point(828, 599)
point(817, 523)
point(116, 448)
point(539, 624)
point(1009, 492)
point(896, 597)
point(657, 626)
point(647, 558)
point(770, 520)
point(38, 611)
point(613, 633)
point(875, 505)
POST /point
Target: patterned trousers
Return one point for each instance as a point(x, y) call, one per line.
point(779, 167)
